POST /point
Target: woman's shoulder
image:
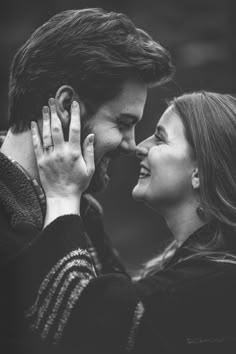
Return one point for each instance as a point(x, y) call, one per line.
point(193, 276)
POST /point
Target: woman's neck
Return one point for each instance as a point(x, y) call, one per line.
point(183, 221)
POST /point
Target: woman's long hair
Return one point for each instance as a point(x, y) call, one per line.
point(210, 126)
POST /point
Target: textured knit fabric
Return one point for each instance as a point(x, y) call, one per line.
point(186, 308)
point(20, 210)
point(54, 301)
point(21, 221)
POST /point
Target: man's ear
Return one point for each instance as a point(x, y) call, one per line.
point(195, 179)
point(65, 95)
point(64, 98)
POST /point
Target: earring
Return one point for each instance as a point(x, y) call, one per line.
point(200, 211)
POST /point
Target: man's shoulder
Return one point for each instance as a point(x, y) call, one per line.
point(3, 134)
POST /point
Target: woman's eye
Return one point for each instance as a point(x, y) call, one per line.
point(158, 139)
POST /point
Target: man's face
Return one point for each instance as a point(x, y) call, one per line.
point(113, 125)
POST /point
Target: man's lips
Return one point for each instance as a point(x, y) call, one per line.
point(113, 154)
point(144, 171)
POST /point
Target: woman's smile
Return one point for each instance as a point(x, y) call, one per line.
point(144, 172)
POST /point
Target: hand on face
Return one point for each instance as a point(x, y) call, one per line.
point(64, 169)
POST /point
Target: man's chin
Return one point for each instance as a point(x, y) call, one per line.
point(100, 178)
point(98, 184)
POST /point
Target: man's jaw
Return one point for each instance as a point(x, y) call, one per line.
point(101, 179)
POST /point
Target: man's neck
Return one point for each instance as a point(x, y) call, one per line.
point(19, 147)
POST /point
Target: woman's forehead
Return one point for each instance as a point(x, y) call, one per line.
point(171, 122)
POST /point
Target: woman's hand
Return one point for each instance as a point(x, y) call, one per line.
point(64, 171)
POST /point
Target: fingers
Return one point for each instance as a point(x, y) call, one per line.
point(56, 128)
point(88, 153)
point(75, 125)
point(36, 140)
point(47, 136)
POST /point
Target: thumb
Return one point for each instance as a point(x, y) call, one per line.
point(88, 153)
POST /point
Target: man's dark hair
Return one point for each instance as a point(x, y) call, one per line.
point(93, 51)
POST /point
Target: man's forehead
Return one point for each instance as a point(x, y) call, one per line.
point(129, 102)
point(129, 112)
point(133, 91)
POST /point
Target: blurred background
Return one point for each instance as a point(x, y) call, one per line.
point(200, 35)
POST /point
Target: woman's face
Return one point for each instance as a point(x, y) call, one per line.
point(167, 165)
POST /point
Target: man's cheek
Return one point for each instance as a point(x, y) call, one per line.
point(97, 157)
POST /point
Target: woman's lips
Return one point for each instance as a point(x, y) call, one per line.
point(144, 172)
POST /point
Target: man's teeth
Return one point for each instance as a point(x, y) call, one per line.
point(144, 172)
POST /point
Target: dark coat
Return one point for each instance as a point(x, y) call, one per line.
point(54, 301)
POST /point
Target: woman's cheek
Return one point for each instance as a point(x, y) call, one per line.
point(158, 156)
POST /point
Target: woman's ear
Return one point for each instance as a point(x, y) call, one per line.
point(195, 179)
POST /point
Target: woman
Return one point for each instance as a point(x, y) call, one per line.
point(185, 300)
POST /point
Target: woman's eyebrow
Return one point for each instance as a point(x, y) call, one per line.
point(161, 130)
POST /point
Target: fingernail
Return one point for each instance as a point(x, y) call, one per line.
point(51, 101)
point(45, 110)
point(91, 139)
point(74, 104)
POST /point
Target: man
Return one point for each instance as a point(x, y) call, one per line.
point(101, 60)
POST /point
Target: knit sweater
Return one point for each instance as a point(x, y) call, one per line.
point(54, 300)
point(21, 220)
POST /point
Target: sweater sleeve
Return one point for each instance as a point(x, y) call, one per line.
point(68, 307)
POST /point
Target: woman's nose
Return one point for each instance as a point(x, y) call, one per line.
point(142, 150)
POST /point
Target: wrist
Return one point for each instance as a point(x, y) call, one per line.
point(60, 206)
point(67, 205)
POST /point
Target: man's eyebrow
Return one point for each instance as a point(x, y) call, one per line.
point(161, 130)
point(129, 116)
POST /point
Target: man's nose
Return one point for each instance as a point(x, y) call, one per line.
point(128, 143)
point(142, 149)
